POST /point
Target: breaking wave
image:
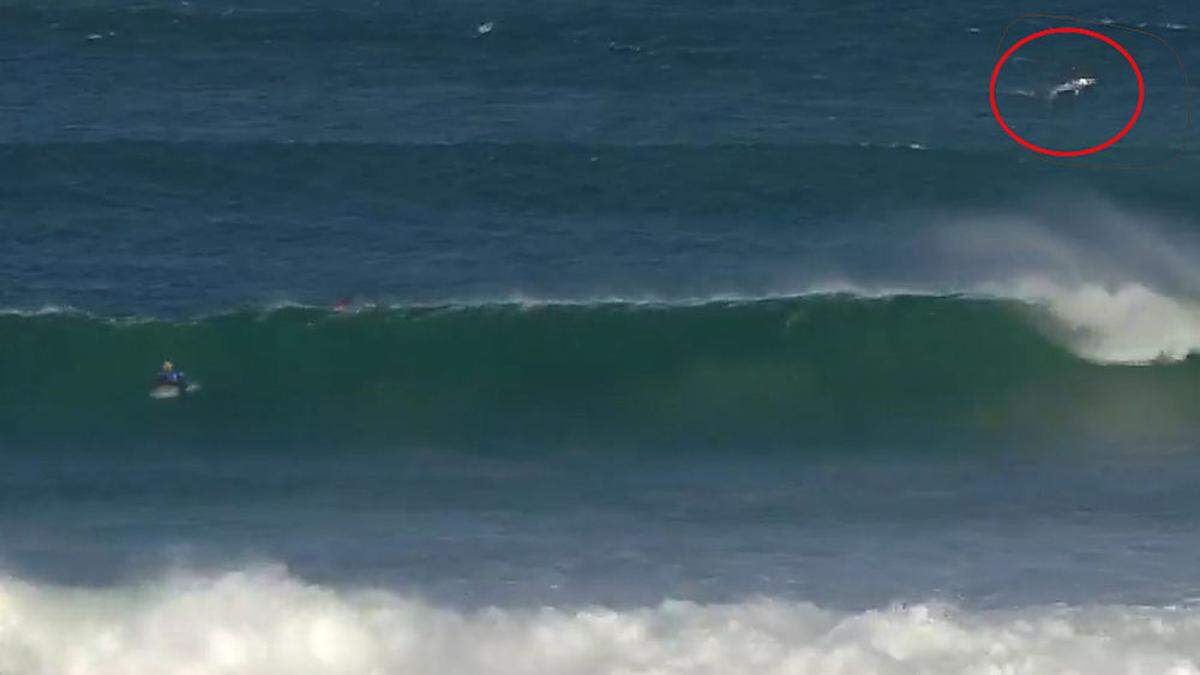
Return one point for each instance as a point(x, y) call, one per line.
point(811, 372)
point(264, 621)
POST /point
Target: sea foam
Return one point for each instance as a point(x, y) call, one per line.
point(1127, 323)
point(263, 621)
point(1122, 286)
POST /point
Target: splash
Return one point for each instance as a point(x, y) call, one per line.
point(1129, 323)
point(1121, 287)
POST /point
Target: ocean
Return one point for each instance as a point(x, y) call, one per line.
point(591, 338)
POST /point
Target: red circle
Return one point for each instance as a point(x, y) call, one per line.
point(1137, 111)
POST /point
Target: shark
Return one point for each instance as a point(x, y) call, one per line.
point(1075, 86)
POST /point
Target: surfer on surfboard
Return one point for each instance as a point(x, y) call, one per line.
point(170, 383)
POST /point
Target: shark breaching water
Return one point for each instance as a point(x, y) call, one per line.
point(1074, 86)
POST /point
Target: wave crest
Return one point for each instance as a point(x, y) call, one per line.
point(814, 372)
point(1129, 323)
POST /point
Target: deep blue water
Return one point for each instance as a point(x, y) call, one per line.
point(190, 158)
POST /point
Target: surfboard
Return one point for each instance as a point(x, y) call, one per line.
point(162, 391)
point(166, 391)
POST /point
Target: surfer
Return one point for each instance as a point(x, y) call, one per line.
point(168, 376)
point(171, 383)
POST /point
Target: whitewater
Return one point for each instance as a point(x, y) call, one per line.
point(264, 621)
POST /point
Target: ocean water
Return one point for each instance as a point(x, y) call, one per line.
point(597, 338)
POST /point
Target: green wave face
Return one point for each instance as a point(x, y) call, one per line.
point(822, 373)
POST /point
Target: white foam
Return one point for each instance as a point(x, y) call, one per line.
point(265, 622)
point(44, 310)
point(1127, 323)
point(1122, 287)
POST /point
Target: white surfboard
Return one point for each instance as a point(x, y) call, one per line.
point(165, 391)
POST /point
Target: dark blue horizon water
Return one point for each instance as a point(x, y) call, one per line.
point(185, 158)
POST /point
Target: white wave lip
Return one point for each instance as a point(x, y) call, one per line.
point(1122, 285)
point(263, 621)
point(1129, 323)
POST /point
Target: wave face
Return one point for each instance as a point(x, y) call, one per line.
point(807, 373)
point(264, 621)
